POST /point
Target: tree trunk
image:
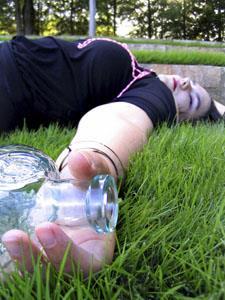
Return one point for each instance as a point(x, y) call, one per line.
point(149, 20)
point(28, 17)
point(114, 16)
point(72, 17)
point(19, 23)
point(184, 12)
point(38, 29)
point(220, 23)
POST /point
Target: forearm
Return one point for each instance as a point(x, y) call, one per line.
point(121, 126)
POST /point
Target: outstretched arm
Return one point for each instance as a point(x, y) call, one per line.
point(121, 127)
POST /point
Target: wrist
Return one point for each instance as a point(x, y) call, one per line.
point(85, 159)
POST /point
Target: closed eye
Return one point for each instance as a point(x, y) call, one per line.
point(191, 101)
point(196, 103)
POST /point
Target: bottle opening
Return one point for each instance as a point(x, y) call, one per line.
point(102, 204)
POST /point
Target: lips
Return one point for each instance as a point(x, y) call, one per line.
point(174, 84)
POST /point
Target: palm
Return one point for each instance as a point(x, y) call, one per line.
point(87, 248)
point(90, 249)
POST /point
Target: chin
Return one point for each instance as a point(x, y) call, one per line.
point(184, 117)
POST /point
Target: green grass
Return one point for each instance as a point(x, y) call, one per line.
point(171, 230)
point(180, 57)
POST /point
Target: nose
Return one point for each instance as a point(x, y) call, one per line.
point(185, 83)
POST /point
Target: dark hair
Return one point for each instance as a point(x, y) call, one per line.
point(212, 115)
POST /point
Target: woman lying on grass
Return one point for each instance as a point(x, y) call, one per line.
point(98, 84)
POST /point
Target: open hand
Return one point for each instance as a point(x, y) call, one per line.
point(86, 248)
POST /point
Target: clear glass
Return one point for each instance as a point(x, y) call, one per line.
point(31, 192)
point(72, 202)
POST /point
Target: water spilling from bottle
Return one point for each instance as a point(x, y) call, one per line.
point(31, 192)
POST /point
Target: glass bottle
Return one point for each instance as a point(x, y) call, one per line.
point(31, 192)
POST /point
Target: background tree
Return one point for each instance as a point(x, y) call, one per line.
point(7, 17)
point(219, 19)
point(181, 19)
point(206, 20)
point(175, 19)
point(66, 16)
point(142, 16)
point(106, 17)
point(28, 17)
point(24, 16)
point(19, 17)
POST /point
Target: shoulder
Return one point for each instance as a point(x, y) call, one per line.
point(154, 97)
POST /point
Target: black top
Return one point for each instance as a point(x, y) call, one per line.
point(49, 79)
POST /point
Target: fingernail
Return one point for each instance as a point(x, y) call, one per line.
point(12, 244)
point(82, 155)
point(81, 165)
point(14, 249)
point(46, 238)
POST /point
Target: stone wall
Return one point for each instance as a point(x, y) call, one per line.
point(210, 77)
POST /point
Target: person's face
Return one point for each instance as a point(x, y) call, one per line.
point(191, 99)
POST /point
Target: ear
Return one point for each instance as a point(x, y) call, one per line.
point(214, 114)
point(220, 107)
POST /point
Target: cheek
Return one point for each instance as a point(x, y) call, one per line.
point(182, 102)
point(203, 110)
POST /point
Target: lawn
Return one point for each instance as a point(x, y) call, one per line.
point(171, 230)
point(182, 57)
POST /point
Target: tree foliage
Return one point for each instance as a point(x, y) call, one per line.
point(176, 19)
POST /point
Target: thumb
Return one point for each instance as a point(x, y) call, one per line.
point(86, 164)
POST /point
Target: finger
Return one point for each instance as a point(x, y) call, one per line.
point(55, 244)
point(85, 165)
point(22, 249)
